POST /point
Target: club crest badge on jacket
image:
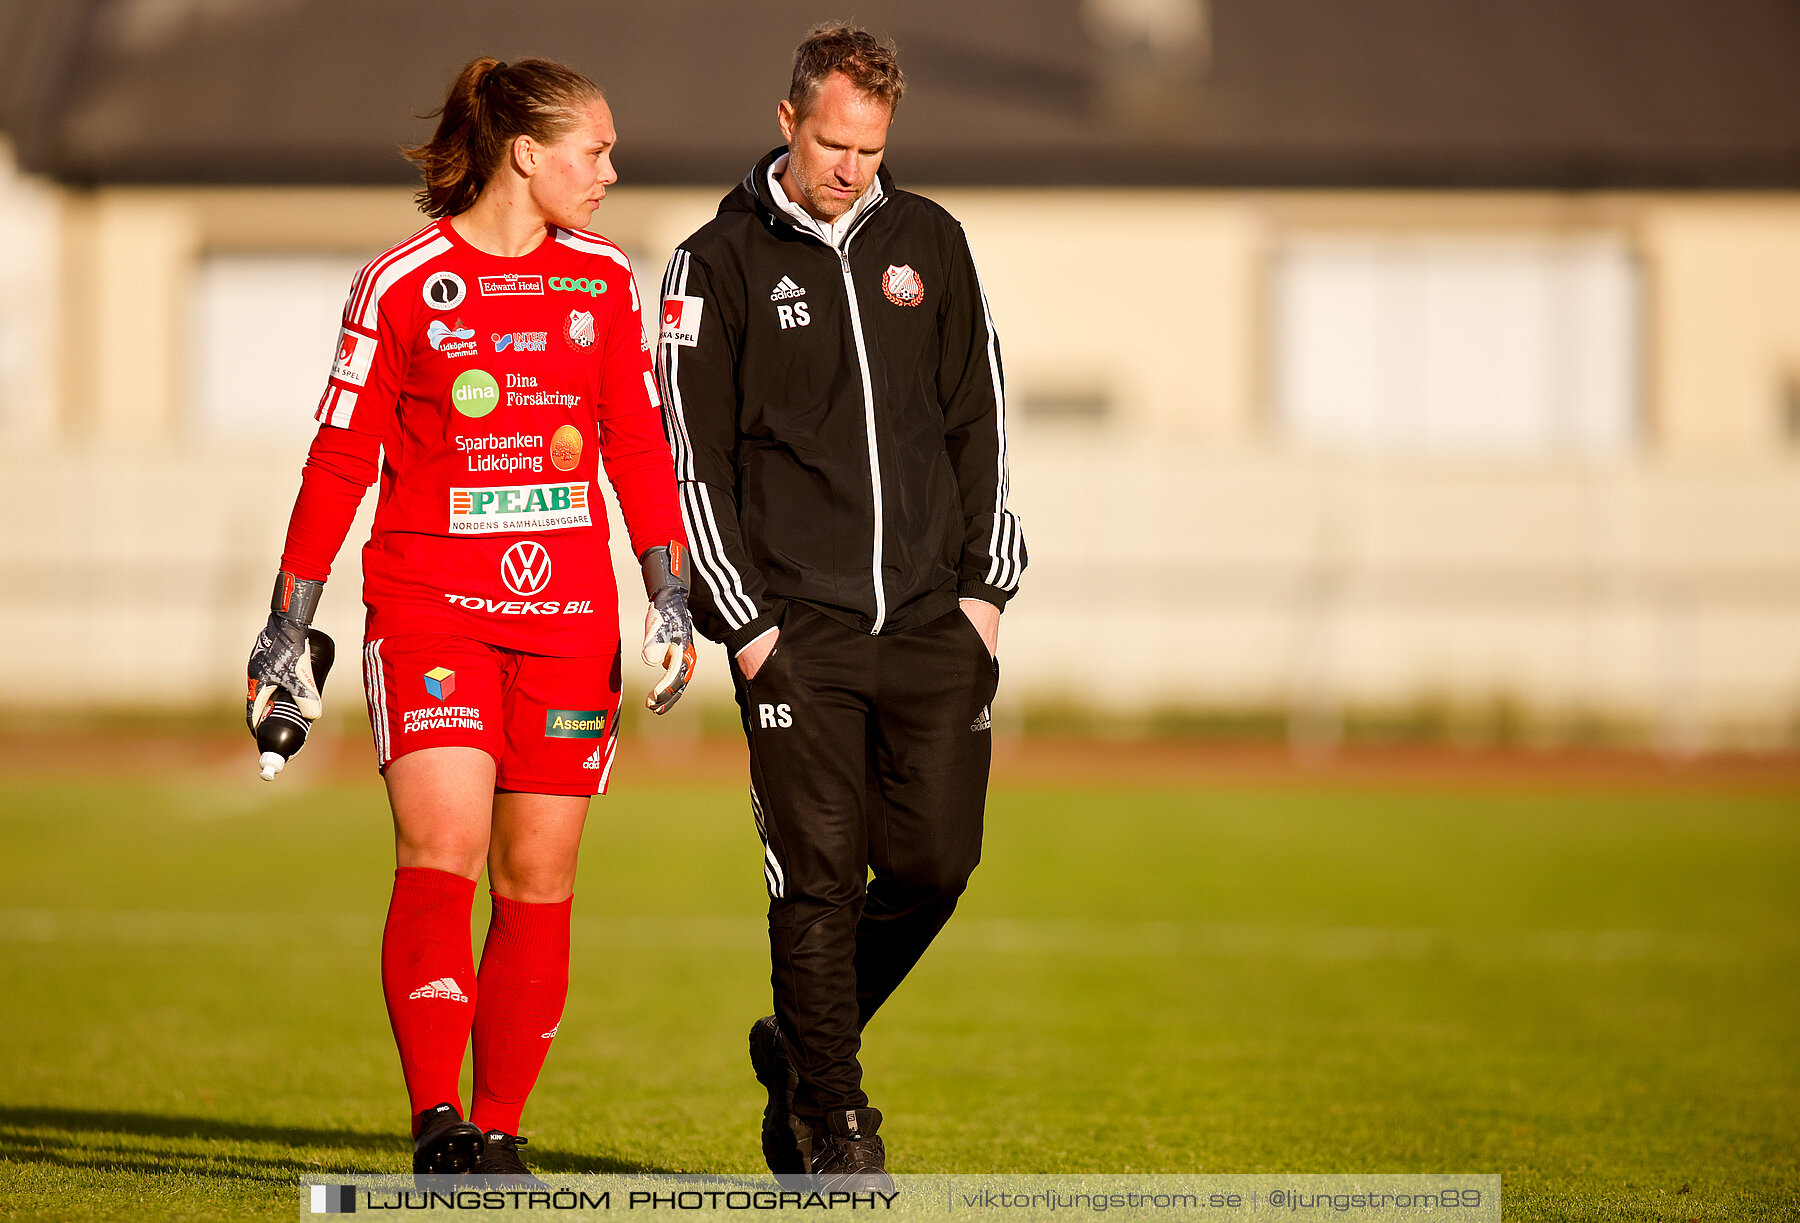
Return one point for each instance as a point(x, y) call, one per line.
point(902, 285)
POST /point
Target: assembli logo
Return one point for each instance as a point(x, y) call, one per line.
point(579, 330)
point(562, 284)
point(445, 290)
point(525, 568)
point(475, 393)
point(902, 286)
point(453, 340)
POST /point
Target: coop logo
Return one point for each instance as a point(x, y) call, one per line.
point(444, 290)
point(355, 352)
point(512, 284)
point(575, 724)
point(475, 393)
point(681, 320)
point(451, 340)
point(523, 507)
point(562, 284)
point(522, 341)
point(525, 568)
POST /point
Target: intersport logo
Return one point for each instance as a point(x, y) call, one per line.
point(562, 284)
point(525, 568)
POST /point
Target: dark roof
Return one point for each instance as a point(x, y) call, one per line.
point(1458, 93)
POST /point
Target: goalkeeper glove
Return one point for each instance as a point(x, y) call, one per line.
point(280, 658)
point(668, 626)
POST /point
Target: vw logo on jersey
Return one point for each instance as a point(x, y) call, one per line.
point(444, 290)
point(525, 568)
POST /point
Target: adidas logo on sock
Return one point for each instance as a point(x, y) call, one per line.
point(785, 290)
point(553, 1031)
point(443, 987)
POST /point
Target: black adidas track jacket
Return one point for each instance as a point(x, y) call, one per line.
point(838, 416)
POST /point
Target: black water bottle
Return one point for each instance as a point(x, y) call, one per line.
point(283, 731)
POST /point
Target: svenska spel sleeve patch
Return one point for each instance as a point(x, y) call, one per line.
point(681, 320)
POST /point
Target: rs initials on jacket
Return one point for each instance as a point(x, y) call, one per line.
point(793, 316)
point(773, 716)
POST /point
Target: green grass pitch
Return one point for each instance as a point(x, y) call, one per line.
point(1594, 993)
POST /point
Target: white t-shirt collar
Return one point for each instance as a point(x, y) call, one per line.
point(832, 234)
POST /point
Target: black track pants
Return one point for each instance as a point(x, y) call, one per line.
point(866, 754)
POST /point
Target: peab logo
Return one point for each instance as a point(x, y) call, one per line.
point(475, 393)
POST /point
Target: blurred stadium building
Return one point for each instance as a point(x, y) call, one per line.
point(1394, 355)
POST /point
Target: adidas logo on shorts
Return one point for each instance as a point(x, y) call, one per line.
point(444, 987)
point(598, 760)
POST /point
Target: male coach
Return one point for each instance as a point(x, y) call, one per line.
point(832, 390)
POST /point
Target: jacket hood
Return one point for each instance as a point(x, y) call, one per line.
point(752, 194)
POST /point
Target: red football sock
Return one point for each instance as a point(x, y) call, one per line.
point(523, 984)
point(428, 976)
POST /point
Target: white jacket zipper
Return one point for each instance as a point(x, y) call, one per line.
point(862, 359)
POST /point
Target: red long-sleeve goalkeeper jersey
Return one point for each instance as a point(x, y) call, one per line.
point(497, 388)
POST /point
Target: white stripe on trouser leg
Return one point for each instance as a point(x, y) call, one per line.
point(612, 746)
point(378, 702)
point(771, 867)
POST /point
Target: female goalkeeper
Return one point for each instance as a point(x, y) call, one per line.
point(487, 368)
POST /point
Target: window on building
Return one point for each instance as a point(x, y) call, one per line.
point(1492, 345)
point(264, 331)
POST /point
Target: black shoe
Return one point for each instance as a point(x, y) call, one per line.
point(446, 1145)
point(768, 1057)
point(847, 1156)
point(500, 1162)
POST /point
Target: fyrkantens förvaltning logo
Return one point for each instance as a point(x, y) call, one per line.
point(440, 682)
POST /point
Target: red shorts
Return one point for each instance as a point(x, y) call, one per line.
point(549, 723)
